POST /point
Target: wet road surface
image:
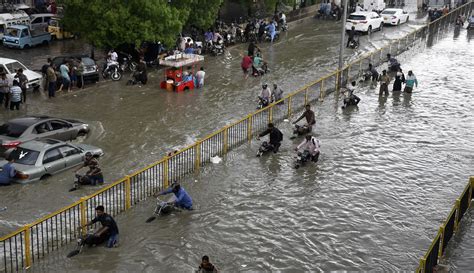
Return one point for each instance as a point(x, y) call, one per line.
point(387, 177)
point(136, 126)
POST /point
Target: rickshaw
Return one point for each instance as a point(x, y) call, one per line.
point(57, 31)
point(175, 76)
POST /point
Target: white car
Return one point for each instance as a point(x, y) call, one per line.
point(364, 21)
point(10, 66)
point(394, 16)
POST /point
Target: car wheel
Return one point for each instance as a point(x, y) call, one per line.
point(369, 30)
point(45, 176)
point(82, 133)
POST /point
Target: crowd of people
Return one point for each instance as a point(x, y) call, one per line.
point(14, 94)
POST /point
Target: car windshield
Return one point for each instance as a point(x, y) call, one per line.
point(12, 129)
point(356, 17)
point(12, 32)
point(389, 12)
point(13, 67)
point(24, 156)
point(87, 61)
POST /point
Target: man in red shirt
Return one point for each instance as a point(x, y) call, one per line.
point(246, 65)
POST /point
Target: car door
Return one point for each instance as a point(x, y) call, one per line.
point(72, 155)
point(53, 161)
point(61, 130)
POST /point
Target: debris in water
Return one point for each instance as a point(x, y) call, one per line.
point(216, 159)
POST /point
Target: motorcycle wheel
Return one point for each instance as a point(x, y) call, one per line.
point(116, 76)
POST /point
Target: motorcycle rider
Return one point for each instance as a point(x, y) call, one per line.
point(109, 227)
point(310, 119)
point(350, 98)
point(94, 174)
point(312, 145)
point(265, 95)
point(183, 200)
point(350, 36)
point(277, 93)
point(112, 59)
point(272, 30)
point(276, 136)
point(393, 64)
point(216, 37)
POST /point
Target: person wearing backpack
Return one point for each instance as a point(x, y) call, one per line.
point(276, 136)
point(312, 145)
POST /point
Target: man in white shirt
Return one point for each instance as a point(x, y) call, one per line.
point(265, 95)
point(200, 77)
point(15, 95)
point(312, 145)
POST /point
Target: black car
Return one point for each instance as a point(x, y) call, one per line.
point(91, 70)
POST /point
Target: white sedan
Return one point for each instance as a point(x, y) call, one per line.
point(364, 21)
point(394, 16)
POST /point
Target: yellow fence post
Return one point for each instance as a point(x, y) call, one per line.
point(349, 73)
point(336, 80)
point(128, 193)
point(197, 152)
point(306, 96)
point(289, 106)
point(226, 133)
point(441, 241)
point(83, 208)
point(458, 210)
point(422, 264)
point(27, 246)
point(166, 172)
point(249, 128)
point(270, 114)
point(321, 91)
point(359, 74)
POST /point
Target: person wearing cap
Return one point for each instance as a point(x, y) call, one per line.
point(265, 95)
point(182, 198)
point(94, 174)
point(15, 96)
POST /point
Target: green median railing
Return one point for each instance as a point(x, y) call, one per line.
point(22, 248)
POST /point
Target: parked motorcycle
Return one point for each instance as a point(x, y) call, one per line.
point(112, 71)
point(128, 64)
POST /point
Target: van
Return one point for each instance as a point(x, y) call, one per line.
point(40, 21)
point(9, 19)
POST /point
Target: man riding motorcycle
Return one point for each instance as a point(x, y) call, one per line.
point(350, 98)
point(393, 64)
point(310, 121)
point(312, 145)
point(265, 97)
point(276, 136)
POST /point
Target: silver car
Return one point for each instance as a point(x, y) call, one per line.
point(39, 159)
point(22, 129)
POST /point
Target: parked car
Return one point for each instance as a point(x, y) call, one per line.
point(364, 21)
point(21, 36)
point(91, 69)
point(19, 130)
point(394, 16)
point(40, 21)
point(10, 66)
point(470, 22)
point(40, 159)
point(57, 30)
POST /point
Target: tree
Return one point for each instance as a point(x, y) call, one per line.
point(109, 23)
point(203, 13)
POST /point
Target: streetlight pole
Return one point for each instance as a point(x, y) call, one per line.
point(341, 48)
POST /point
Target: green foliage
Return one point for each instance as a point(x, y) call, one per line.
point(109, 23)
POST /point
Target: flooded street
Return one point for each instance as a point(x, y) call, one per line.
point(136, 126)
point(387, 176)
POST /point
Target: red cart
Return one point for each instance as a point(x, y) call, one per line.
point(175, 76)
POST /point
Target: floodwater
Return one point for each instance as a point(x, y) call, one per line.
point(136, 126)
point(460, 252)
point(387, 178)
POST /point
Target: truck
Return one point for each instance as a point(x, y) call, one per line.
point(21, 36)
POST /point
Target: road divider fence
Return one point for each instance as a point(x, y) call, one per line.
point(27, 245)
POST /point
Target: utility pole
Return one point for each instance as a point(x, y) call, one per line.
point(341, 48)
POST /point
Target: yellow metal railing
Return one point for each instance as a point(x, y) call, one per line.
point(448, 229)
point(25, 246)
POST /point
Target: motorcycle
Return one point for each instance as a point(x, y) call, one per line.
point(262, 103)
point(302, 158)
point(90, 239)
point(80, 180)
point(113, 71)
point(264, 148)
point(260, 71)
point(354, 43)
point(128, 64)
point(268, 37)
point(218, 48)
point(352, 100)
point(301, 130)
point(240, 37)
point(162, 208)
